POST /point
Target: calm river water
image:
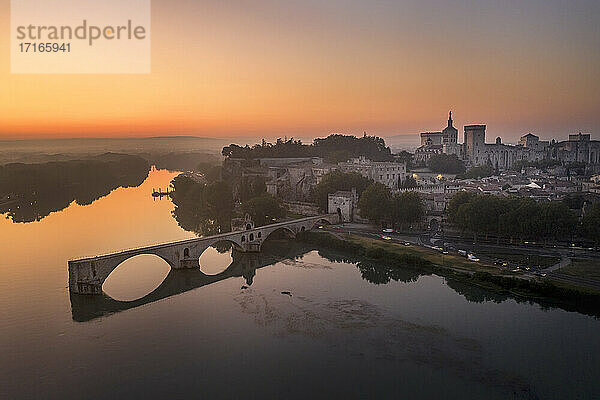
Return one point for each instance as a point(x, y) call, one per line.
point(332, 333)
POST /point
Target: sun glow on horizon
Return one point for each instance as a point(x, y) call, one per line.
point(283, 68)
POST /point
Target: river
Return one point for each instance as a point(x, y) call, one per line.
point(302, 325)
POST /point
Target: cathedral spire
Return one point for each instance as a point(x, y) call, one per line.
point(450, 119)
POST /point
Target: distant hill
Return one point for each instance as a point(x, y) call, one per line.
point(407, 142)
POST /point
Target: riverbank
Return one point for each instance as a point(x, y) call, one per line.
point(548, 293)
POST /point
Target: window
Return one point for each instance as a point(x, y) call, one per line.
point(243, 239)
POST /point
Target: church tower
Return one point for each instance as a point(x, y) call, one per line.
point(450, 133)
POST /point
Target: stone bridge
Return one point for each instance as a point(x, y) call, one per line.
point(87, 275)
point(244, 265)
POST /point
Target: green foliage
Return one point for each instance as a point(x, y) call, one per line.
point(446, 164)
point(574, 201)
point(454, 204)
point(591, 223)
point(378, 204)
point(407, 208)
point(250, 187)
point(375, 202)
point(202, 208)
point(481, 171)
point(405, 157)
point(264, 209)
point(408, 183)
point(211, 171)
point(333, 148)
point(337, 180)
point(511, 216)
point(374, 252)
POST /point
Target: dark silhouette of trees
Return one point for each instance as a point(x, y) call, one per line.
point(591, 223)
point(405, 157)
point(30, 192)
point(205, 209)
point(481, 171)
point(513, 217)
point(446, 164)
point(406, 209)
point(378, 204)
point(333, 148)
point(375, 202)
point(408, 183)
point(264, 209)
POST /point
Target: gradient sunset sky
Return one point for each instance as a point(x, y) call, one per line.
point(309, 68)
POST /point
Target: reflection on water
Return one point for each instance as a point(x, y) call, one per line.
point(216, 259)
point(30, 192)
point(289, 323)
point(136, 277)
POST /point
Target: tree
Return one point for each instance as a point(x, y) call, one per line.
point(446, 164)
point(264, 209)
point(481, 171)
point(407, 208)
point(409, 183)
point(337, 180)
point(454, 204)
point(375, 202)
point(333, 148)
point(405, 157)
point(591, 223)
point(202, 208)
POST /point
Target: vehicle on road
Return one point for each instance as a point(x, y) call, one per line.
point(462, 253)
point(386, 238)
point(388, 231)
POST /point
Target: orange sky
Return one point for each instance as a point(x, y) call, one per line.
point(283, 68)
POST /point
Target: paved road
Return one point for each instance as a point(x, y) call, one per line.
point(425, 239)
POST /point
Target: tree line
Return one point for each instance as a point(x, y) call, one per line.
point(521, 217)
point(30, 192)
point(333, 148)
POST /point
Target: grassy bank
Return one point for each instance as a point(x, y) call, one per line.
point(459, 269)
point(585, 268)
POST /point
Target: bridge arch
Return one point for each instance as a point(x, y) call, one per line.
point(288, 231)
point(135, 277)
point(216, 258)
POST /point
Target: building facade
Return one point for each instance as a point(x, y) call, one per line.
point(387, 173)
point(474, 150)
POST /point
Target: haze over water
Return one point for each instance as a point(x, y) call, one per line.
point(337, 334)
